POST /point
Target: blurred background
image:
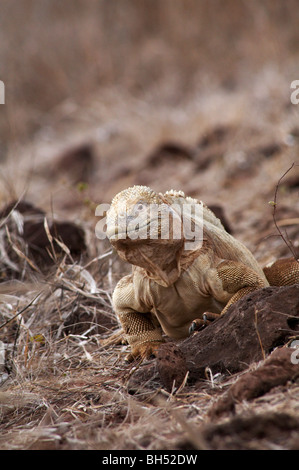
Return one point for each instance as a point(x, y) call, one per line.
point(100, 95)
point(192, 94)
point(159, 50)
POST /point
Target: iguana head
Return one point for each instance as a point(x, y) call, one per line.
point(146, 231)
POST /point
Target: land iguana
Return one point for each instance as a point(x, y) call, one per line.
point(171, 289)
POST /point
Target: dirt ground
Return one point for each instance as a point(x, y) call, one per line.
point(231, 139)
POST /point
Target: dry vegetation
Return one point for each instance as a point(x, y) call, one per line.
point(186, 94)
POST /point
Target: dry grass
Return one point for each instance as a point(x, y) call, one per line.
point(62, 388)
point(128, 75)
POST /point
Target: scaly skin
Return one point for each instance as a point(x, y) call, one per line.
point(171, 287)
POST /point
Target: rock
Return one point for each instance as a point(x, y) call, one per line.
point(171, 366)
point(216, 135)
point(169, 158)
point(278, 369)
point(77, 163)
point(67, 232)
point(292, 182)
point(212, 146)
point(168, 370)
point(24, 207)
point(248, 331)
point(169, 152)
point(144, 379)
point(34, 234)
point(269, 149)
point(71, 234)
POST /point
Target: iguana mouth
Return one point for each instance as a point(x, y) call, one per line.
point(114, 233)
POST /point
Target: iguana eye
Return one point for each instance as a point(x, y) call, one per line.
point(140, 206)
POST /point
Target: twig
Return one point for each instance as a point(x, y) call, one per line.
point(98, 258)
point(19, 252)
point(20, 312)
point(50, 238)
point(274, 203)
point(285, 222)
point(3, 222)
point(183, 383)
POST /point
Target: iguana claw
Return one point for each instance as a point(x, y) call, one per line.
point(200, 323)
point(144, 351)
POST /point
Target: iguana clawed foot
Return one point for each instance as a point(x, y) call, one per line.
point(144, 351)
point(200, 323)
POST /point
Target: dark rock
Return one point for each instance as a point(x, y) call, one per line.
point(250, 329)
point(35, 235)
point(71, 234)
point(144, 379)
point(212, 146)
point(278, 369)
point(24, 207)
point(168, 152)
point(77, 163)
point(269, 149)
point(169, 158)
point(207, 156)
point(292, 182)
point(246, 333)
point(171, 366)
point(215, 136)
point(67, 232)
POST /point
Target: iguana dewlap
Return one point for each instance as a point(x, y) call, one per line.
point(170, 286)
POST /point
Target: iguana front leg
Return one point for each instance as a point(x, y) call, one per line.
point(228, 283)
point(139, 326)
point(141, 333)
point(237, 280)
